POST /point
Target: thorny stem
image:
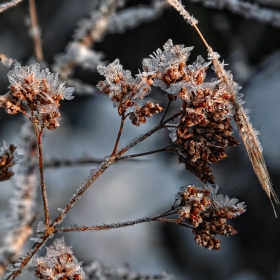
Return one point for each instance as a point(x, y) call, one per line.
point(39, 134)
point(35, 31)
point(119, 135)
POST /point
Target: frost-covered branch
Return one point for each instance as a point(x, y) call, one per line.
point(246, 9)
point(103, 20)
point(7, 5)
point(35, 31)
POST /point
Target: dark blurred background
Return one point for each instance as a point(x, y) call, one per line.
point(131, 190)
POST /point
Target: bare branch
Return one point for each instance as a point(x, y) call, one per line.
point(8, 5)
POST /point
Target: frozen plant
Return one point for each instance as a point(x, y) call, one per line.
point(59, 263)
point(200, 127)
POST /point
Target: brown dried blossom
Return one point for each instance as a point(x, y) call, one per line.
point(204, 130)
point(124, 90)
point(36, 93)
point(140, 114)
point(58, 264)
point(207, 213)
point(8, 158)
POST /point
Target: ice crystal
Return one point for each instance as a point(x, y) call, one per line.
point(59, 263)
point(37, 92)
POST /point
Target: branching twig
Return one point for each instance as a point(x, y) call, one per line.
point(93, 177)
point(39, 133)
point(35, 31)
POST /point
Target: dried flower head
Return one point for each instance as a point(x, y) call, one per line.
point(59, 263)
point(124, 91)
point(204, 130)
point(36, 92)
point(8, 158)
point(207, 213)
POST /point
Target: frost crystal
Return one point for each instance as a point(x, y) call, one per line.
point(37, 92)
point(59, 263)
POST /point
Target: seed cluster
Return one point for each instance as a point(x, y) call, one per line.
point(207, 213)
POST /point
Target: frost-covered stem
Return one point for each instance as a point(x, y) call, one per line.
point(26, 260)
point(106, 227)
point(55, 163)
point(101, 25)
point(117, 225)
point(119, 134)
point(145, 153)
point(7, 5)
point(165, 111)
point(174, 221)
point(39, 133)
point(35, 31)
point(104, 165)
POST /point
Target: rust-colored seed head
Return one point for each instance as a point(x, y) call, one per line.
point(205, 133)
point(207, 213)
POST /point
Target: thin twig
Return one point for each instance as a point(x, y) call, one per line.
point(7, 5)
point(145, 153)
point(55, 163)
point(119, 134)
point(93, 176)
point(103, 166)
point(41, 169)
point(158, 217)
point(165, 111)
point(35, 31)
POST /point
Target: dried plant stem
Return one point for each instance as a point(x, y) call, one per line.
point(26, 260)
point(50, 229)
point(119, 225)
point(35, 30)
point(119, 134)
point(39, 133)
point(103, 166)
point(166, 110)
point(145, 153)
point(7, 5)
point(55, 163)
point(243, 124)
